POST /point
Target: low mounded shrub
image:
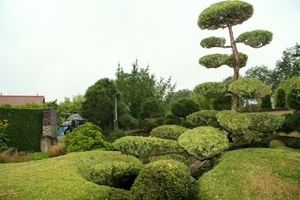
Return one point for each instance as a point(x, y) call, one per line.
point(171, 132)
point(203, 118)
point(293, 121)
point(86, 137)
point(146, 146)
point(203, 142)
point(265, 122)
point(164, 179)
point(233, 121)
point(118, 174)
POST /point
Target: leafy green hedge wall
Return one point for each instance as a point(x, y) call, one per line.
point(25, 127)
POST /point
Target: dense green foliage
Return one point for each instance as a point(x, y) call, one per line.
point(146, 146)
point(183, 157)
point(213, 42)
point(213, 60)
point(233, 121)
point(251, 88)
point(266, 102)
point(280, 98)
point(255, 39)
point(265, 122)
point(3, 136)
point(210, 89)
point(118, 174)
point(86, 137)
point(223, 14)
point(164, 179)
point(140, 90)
point(293, 98)
point(293, 121)
point(171, 132)
point(98, 106)
point(264, 74)
point(25, 127)
point(222, 103)
point(203, 142)
point(286, 86)
point(203, 118)
point(183, 107)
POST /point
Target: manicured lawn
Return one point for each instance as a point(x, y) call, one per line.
point(262, 174)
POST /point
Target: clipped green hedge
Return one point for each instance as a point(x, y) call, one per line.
point(118, 174)
point(171, 132)
point(146, 146)
point(25, 127)
point(164, 179)
point(265, 122)
point(233, 121)
point(203, 118)
point(203, 142)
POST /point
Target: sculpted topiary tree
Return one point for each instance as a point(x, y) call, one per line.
point(227, 14)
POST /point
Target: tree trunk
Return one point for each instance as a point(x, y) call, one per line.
point(236, 69)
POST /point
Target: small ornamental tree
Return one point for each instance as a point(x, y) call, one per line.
point(227, 14)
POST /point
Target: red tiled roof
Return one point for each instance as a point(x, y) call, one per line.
point(16, 100)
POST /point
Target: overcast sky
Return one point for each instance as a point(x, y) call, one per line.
point(58, 48)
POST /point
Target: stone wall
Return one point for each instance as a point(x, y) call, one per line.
point(49, 129)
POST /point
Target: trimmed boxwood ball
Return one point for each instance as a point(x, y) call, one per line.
point(163, 179)
point(203, 142)
point(117, 174)
point(171, 132)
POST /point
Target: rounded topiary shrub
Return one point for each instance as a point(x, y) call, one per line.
point(117, 174)
point(184, 157)
point(265, 122)
point(146, 146)
point(171, 132)
point(163, 179)
point(293, 98)
point(233, 121)
point(203, 142)
point(85, 137)
point(293, 121)
point(203, 118)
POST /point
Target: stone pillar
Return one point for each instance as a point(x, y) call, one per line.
point(49, 129)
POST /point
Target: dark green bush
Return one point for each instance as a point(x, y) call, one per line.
point(86, 137)
point(265, 122)
point(184, 107)
point(171, 119)
point(293, 98)
point(293, 121)
point(247, 136)
point(146, 146)
point(39, 156)
point(117, 174)
point(203, 142)
point(280, 98)
point(126, 121)
point(266, 102)
point(159, 121)
point(233, 121)
point(151, 125)
point(222, 103)
point(203, 118)
point(187, 124)
point(164, 179)
point(171, 132)
point(113, 135)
